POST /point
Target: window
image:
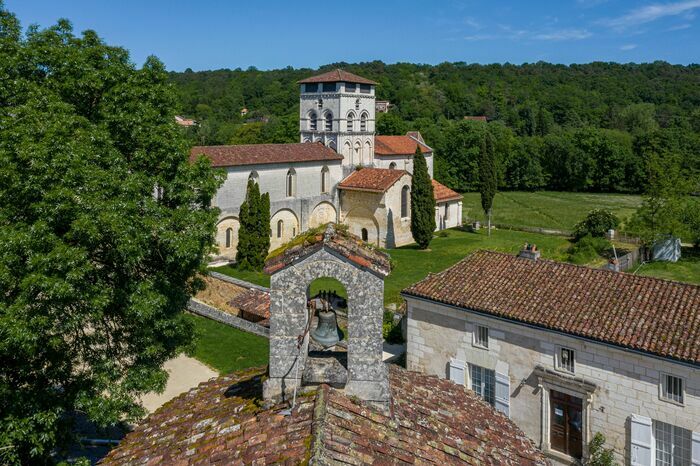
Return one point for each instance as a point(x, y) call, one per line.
point(363, 122)
point(311, 87)
point(291, 183)
point(365, 88)
point(483, 383)
point(351, 121)
point(357, 104)
point(329, 121)
point(405, 196)
point(672, 444)
point(312, 121)
point(672, 388)
point(328, 87)
point(565, 361)
point(365, 234)
point(320, 103)
point(350, 87)
point(392, 166)
point(325, 181)
point(447, 212)
point(280, 228)
point(229, 237)
point(481, 336)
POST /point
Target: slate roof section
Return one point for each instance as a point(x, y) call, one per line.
point(253, 301)
point(374, 180)
point(651, 315)
point(222, 421)
point(335, 76)
point(258, 154)
point(398, 145)
point(443, 194)
point(336, 240)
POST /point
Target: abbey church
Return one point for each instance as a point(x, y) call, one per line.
point(340, 171)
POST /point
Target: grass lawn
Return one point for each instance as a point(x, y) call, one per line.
point(257, 278)
point(548, 209)
point(226, 349)
point(687, 269)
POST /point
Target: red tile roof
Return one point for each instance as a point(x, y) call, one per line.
point(442, 193)
point(376, 180)
point(398, 145)
point(476, 118)
point(336, 76)
point(647, 314)
point(431, 420)
point(256, 154)
point(253, 301)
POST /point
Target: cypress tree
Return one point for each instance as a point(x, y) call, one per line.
point(422, 202)
point(254, 232)
point(488, 176)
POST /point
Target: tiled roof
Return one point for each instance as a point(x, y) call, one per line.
point(397, 145)
point(336, 76)
point(223, 421)
point(336, 239)
point(257, 154)
point(376, 180)
point(442, 193)
point(647, 314)
point(253, 301)
point(476, 118)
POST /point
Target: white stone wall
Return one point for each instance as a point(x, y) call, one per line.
point(403, 162)
point(626, 383)
point(448, 214)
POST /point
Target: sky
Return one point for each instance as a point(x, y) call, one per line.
point(268, 34)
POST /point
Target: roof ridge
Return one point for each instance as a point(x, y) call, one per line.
point(317, 451)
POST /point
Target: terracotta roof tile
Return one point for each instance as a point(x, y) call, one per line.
point(255, 154)
point(647, 314)
point(442, 193)
point(476, 118)
point(253, 301)
point(376, 180)
point(398, 145)
point(337, 76)
point(223, 421)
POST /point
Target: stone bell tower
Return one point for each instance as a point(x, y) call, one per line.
point(361, 270)
point(338, 109)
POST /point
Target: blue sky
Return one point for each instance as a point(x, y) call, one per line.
point(208, 34)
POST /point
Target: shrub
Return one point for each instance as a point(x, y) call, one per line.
point(391, 331)
point(598, 454)
point(596, 223)
point(587, 249)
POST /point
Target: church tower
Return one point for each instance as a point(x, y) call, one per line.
point(338, 109)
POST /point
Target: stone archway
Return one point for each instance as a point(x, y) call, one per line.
point(323, 213)
point(227, 237)
point(361, 218)
point(284, 225)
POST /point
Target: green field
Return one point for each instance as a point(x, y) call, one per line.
point(226, 349)
point(687, 269)
point(548, 209)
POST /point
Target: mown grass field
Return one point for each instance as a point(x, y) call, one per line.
point(687, 269)
point(548, 209)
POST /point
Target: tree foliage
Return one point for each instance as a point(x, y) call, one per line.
point(254, 232)
point(598, 455)
point(104, 226)
point(488, 176)
point(422, 202)
point(597, 223)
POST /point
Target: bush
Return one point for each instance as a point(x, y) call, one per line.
point(596, 223)
point(391, 331)
point(587, 249)
point(598, 454)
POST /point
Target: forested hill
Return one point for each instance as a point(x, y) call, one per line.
point(542, 110)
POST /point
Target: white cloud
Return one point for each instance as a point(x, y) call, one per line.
point(563, 34)
point(679, 27)
point(649, 13)
point(628, 47)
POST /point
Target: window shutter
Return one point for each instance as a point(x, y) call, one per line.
point(640, 441)
point(503, 393)
point(695, 451)
point(457, 371)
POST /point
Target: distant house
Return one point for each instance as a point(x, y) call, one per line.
point(567, 351)
point(182, 121)
point(244, 111)
point(477, 118)
point(382, 106)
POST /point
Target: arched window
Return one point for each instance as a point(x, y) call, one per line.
point(392, 166)
point(365, 235)
point(368, 153)
point(253, 176)
point(229, 237)
point(329, 121)
point(312, 121)
point(347, 152)
point(280, 228)
point(363, 121)
point(405, 198)
point(325, 179)
point(357, 157)
point(291, 182)
point(351, 121)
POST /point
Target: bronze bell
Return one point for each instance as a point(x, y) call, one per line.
point(327, 332)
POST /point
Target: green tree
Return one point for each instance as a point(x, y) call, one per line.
point(391, 124)
point(104, 227)
point(596, 224)
point(488, 176)
point(422, 202)
point(254, 231)
point(598, 455)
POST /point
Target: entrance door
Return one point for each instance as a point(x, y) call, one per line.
point(566, 423)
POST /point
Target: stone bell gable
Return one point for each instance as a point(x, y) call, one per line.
point(361, 270)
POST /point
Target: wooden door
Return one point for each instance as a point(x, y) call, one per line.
point(566, 423)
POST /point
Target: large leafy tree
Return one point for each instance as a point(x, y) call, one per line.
point(422, 202)
point(254, 232)
point(104, 226)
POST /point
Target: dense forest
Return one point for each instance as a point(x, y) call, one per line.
point(576, 128)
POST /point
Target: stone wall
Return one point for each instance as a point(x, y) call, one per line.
point(199, 308)
point(626, 382)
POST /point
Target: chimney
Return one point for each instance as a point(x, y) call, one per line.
point(529, 251)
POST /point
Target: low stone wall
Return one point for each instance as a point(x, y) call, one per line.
point(199, 308)
point(236, 281)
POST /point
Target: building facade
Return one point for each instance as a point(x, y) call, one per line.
point(567, 352)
